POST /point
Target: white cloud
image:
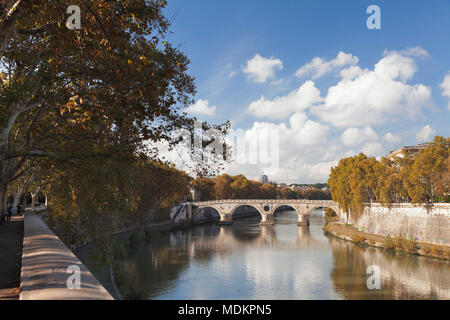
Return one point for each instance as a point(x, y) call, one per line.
point(396, 67)
point(445, 85)
point(425, 134)
point(201, 107)
point(259, 69)
point(232, 74)
point(372, 149)
point(366, 97)
point(356, 136)
point(318, 66)
point(281, 107)
point(392, 138)
point(411, 52)
point(301, 145)
point(352, 72)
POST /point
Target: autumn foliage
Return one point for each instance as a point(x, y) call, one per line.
point(239, 187)
point(421, 179)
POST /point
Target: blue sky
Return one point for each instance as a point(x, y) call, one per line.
point(384, 90)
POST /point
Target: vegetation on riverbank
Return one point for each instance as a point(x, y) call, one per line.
point(420, 179)
point(239, 187)
point(397, 244)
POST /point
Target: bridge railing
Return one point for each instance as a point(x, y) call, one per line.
point(282, 201)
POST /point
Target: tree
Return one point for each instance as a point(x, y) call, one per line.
point(206, 188)
point(421, 178)
point(353, 182)
point(223, 188)
point(441, 180)
point(428, 166)
point(70, 95)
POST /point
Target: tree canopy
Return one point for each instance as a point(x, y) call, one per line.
point(82, 108)
point(420, 179)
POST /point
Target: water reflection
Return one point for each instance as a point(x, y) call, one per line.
point(246, 261)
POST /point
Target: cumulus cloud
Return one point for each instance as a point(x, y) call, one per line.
point(445, 85)
point(201, 107)
point(425, 134)
point(294, 137)
point(352, 72)
point(318, 66)
point(281, 107)
point(260, 69)
point(396, 67)
point(356, 136)
point(368, 97)
point(372, 149)
point(412, 52)
point(392, 138)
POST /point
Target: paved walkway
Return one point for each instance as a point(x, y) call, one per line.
point(11, 236)
point(46, 267)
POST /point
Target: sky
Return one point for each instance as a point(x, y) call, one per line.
point(312, 77)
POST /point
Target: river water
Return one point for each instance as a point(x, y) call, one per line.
point(247, 261)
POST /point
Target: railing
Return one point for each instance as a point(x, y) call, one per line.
point(290, 201)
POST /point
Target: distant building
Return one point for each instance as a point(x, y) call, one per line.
point(410, 150)
point(263, 178)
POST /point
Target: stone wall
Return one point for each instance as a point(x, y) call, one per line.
point(425, 224)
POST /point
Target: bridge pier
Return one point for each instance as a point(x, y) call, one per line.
point(303, 220)
point(267, 220)
point(225, 219)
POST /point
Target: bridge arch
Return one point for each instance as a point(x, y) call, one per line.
point(208, 214)
point(240, 206)
point(276, 208)
point(311, 209)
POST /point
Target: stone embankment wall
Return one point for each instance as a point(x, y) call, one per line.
point(47, 264)
point(429, 224)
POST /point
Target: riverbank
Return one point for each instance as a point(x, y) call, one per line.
point(399, 245)
point(11, 245)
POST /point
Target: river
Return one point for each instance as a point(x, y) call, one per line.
point(247, 261)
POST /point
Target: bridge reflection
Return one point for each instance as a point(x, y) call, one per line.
point(284, 262)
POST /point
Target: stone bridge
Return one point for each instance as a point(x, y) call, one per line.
point(266, 208)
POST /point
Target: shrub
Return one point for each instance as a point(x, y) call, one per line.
point(388, 243)
point(436, 251)
point(410, 246)
point(330, 215)
point(402, 244)
point(358, 239)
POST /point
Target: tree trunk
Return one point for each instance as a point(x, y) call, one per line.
point(3, 198)
point(33, 200)
point(17, 197)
